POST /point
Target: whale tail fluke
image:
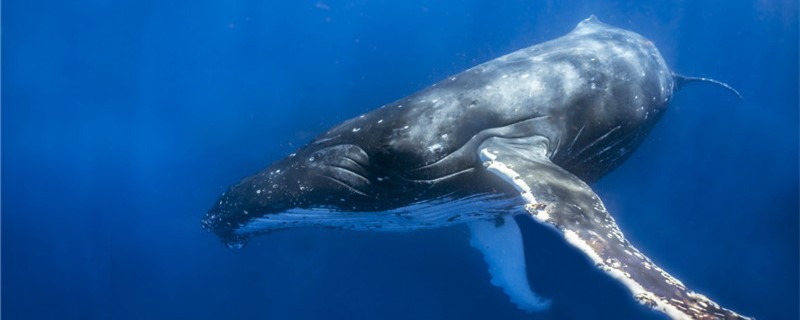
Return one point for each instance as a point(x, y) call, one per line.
point(681, 80)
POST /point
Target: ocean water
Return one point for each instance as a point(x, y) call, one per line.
point(122, 121)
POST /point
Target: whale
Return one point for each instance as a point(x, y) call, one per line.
point(520, 136)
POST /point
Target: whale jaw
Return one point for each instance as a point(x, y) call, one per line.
point(430, 214)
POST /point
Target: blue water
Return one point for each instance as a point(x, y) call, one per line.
point(122, 121)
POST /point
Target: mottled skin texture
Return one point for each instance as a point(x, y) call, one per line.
point(525, 132)
point(595, 93)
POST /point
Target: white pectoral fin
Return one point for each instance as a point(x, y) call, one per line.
point(557, 198)
point(501, 245)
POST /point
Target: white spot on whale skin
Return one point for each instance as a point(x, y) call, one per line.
point(380, 121)
point(436, 148)
point(614, 263)
point(571, 79)
point(356, 129)
point(534, 86)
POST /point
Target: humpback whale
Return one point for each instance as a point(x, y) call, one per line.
point(523, 134)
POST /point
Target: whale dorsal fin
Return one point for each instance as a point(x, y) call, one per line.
point(557, 198)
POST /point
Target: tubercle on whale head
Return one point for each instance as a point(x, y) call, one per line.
point(267, 192)
point(313, 178)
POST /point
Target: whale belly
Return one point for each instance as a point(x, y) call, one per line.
point(436, 213)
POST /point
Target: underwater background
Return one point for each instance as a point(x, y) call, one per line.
point(122, 121)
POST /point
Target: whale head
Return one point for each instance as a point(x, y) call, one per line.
point(322, 179)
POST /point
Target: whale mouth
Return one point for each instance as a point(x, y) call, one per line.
point(428, 214)
point(314, 177)
point(213, 223)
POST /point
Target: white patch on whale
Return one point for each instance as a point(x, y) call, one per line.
point(418, 216)
point(502, 250)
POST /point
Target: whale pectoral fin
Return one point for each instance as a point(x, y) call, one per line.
point(501, 244)
point(559, 199)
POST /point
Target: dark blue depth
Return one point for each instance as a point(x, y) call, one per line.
point(122, 121)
